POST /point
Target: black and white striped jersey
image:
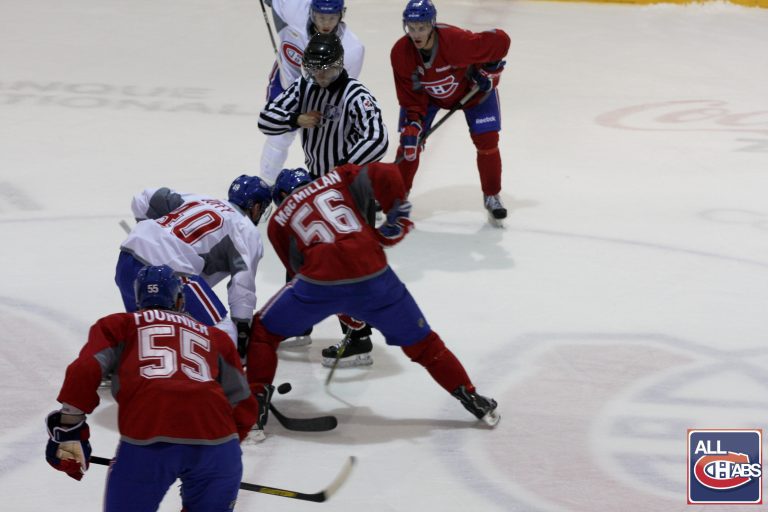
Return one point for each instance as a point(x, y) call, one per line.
point(352, 129)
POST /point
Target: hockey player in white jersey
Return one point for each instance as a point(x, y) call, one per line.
point(204, 240)
point(297, 21)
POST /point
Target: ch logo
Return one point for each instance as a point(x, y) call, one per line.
point(442, 88)
point(292, 54)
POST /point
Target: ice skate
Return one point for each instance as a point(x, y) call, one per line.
point(496, 211)
point(256, 435)
point(106, 382)
point(298, 341)
point(482, 407)
point(357, 353)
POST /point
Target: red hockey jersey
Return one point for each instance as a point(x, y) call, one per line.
point(319, 231)
point(175, 379)
point(443, 80)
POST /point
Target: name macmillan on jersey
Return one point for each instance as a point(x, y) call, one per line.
point(289, 205)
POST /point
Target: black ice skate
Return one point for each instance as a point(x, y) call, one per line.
point(496, 210)
point(256, 435)
point(483, 408)
point(357, 353)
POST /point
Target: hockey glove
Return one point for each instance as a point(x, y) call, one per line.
point(397, 224)
point(487, 75)
point(409, 139)
point(352, 323)
point(68, 449)
point(243, 337)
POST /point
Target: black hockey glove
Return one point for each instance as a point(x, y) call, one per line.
point(243, 337)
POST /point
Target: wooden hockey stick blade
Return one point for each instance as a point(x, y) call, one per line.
point(317, 424)
point(317, 497)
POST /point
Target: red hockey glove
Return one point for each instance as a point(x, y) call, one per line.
point(397, 225)
point(487, 75)
point(409, 139)
point(352, 323)
point(68, 449)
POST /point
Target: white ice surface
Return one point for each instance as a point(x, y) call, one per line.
point(625, 302)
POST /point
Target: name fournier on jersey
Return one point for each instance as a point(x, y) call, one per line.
point(148, 316)
point(289, 205)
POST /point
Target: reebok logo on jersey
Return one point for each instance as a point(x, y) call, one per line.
point(444, 68)
point(484, 120)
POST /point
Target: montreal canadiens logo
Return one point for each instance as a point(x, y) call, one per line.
point(725, 471)
point(442, 88)
point(292, 54)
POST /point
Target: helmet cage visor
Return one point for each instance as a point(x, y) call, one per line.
point(323, 74)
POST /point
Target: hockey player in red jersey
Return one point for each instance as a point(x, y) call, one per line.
point(437, 65)
point(183, 404)
point(339, 267)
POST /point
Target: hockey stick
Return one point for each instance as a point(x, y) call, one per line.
point(463, 101)
point(317, 424)
point(317, 497)
point(271, 36)
point(344, 344)
point(269, 26)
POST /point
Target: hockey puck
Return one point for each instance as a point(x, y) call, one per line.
point(284, 388)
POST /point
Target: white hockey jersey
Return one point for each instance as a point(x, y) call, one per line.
point(199, 235)
point(295, 36)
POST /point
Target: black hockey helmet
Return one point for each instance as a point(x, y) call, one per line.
point(323, 52)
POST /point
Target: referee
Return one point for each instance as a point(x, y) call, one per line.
point(339, 118)
point(340, 122)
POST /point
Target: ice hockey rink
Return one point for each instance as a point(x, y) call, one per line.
point(625, 301)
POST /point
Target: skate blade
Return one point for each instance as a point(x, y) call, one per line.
point(349, 362)
point(493, 221)
point(254, 437)
point(492, 418)
point(298, 341)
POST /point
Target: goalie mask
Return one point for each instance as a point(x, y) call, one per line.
point(323, 59)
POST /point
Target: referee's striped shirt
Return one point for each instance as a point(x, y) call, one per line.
point(351, 131)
